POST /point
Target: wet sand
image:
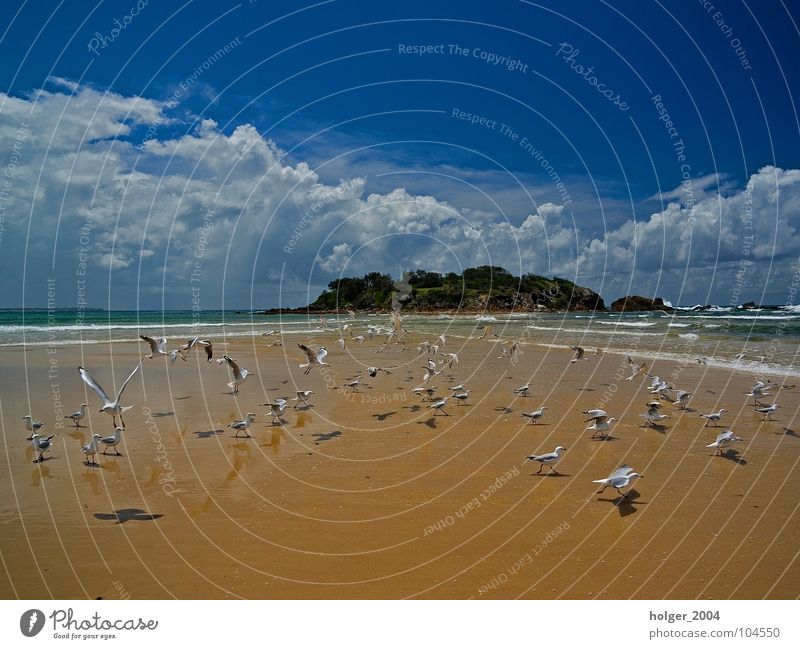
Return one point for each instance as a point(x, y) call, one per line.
point(367, 495)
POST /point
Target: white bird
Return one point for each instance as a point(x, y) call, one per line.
point(243, 425)
point(429, 390)
point(342, 344)
point(113, 440)
point(429, 375)
point(767, 411)
point(462, 397)
point(551, 459)
point(652, 416)
point(110, 407)
point(314, 358)
point(302, 395)
point(714, 416)
point(682, 399)
point(31, 425)
point(451, 359)
point(443, 338)
point(78, 415)
point(183, 350)
point(354, 384)
point(635, 370)
point(621, 478)
point(523, 390)
point(359, 339)
point(724, 440)
point(239, 374)
point(579, 354)
point(276, 409)
point(41, 444)
point(439, 406)
point(535, 415)
point(601, 425)
point(458, 388)
point(157, 347)
point(90, 449)
point(373, 371)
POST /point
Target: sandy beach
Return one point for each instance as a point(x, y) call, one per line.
point(367, 495)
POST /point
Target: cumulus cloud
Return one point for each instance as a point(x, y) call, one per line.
point(91, 192)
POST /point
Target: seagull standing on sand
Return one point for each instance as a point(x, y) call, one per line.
point(767, 411)
point(40, 445)
point(239, 374)
point(653, 414)
point(276, 409)
point(601, 425)
point(90, 449)
point(682, 399)
point(621, 478)
point(439, 407)
point(113, 440)
point(110, 407)
point(535, 415)
point(714, 416)
point(462, 397)
point(522, 391)
point(354, 384)
point(243, 425)
point(550, 459)
point(758, 391)
point(724, 440)
point(78, 415)
point(314, 358)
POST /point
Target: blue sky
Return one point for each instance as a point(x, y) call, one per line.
point(281, 144)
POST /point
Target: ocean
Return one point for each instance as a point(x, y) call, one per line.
point(769, 339)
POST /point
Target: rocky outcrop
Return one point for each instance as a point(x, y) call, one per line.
point(639, 303)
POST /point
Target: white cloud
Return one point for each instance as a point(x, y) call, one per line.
point(234, 204)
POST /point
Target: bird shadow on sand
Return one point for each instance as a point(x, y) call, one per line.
point(415, 408)
point(384, 416)
point(550, 474)
point(656, 427)
point(203, 434)
point(188, 396)
point(46, 458)
point(303, 408)
point(430, 422)
point(603, 438)
point(733, 456)
point(324, 437)
point(586, 390)
point(625, 504)
point(161, 414)
point(125, 515)
point(789, 431)
point(505, 410)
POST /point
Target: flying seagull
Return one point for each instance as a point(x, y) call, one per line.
point(110, 407)
point(314, 358)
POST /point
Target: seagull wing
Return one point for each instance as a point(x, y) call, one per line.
point(124, 385)
point(622, 471)
point(321, 354)
point(209, 349)
point(152, 342)
point(312, 357)
point(88, 380)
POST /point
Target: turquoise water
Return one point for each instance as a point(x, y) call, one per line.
point(769, 338)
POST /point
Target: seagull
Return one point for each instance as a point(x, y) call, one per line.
point(358, 339)
point(113, 440)
point(451, 359)
point(601, 425)
point(276, 409)
point(423, 390)
point(430, 365)
point(439, 406)
point(548, 458)
point(373, 371)
point(341, 343)
point(653, 415)
point(579, 354)
point(351, 313)
point(183, 350)
point(110, 407)
point(78, 415)
point(40, 445)
point(240, 374)
point(353, 384)
point(635, 370)
point(462, 397)
point(621, 478)
point(758, 392)
point(682, 399)
point(723, 440)
point(536, 414)
point(31, 425)
point(314, 358)
point(458, 388)
point(714, 416)
point(767, 411)
point(302, 395)
point(157, 347)
point(443, 338)
point(523, 390)
point(243, 425)
point(91, 449)
point(429, 375)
